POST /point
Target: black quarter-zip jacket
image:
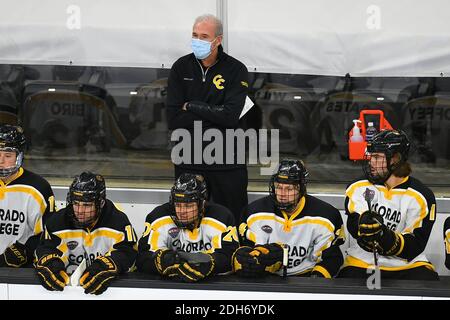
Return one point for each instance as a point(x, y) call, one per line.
point(216, 96)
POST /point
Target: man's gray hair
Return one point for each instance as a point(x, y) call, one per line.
point(213, 18)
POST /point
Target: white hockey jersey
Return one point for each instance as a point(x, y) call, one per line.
point(24, 205)
point(408, 209)
point(216, 234)
point(312, 233)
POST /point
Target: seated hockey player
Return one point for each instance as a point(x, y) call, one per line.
point(188, 238)
point(390, 214)
point(289, 232)
point(90, 228)
point(26, 201)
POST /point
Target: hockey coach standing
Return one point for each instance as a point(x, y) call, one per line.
point(209, 87)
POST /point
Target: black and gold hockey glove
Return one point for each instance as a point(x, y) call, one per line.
point(98, 276)
point(271, 256)
point(370, 225)
point(52, 272)
point(166, 262)
point(14, 256)
point(373, 233)
point(196, 266)
point(246, 263)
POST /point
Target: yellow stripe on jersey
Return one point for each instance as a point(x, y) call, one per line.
point(287, 225)
point(38, 227)
point(256, 217)
point(154, 233)
point(251, 236)
point(433, 212)
point(192, 234)
point(355, 262)
point(27, 189)
point(214, 223)
point(323, 271)
point(215, 243)
point(153, 240)
point(324, 223)
point(158, 223)
point(89, 237)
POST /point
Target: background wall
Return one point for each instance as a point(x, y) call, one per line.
point(376, 37)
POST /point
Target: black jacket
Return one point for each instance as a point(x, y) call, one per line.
point(216, 96)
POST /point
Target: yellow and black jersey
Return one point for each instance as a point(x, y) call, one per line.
point(312, 233)
point(25, 203)
point(216, 234)
point(112, 235)
point(408, 209)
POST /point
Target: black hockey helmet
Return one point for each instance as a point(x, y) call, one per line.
point(87, 187)
point(388, 142)
point(188, 188)
point(12, 139)
point(290, 171)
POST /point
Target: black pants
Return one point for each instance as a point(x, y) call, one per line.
point(225, 187)
point(419, 273)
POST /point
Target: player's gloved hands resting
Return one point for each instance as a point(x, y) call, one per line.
point(246, 264)
point(14, 256)
point(166, 262)
point(192, 270)
point(52, 272)
point(271, 256)
point(370, 226)
point(98, 276)
point(373, 233)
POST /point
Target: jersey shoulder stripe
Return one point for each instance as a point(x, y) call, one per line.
point(36, 181)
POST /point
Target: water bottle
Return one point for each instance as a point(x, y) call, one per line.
point(371, 131)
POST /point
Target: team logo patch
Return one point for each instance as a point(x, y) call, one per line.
point(72, 245)
point(173, 232)
point(369, 194)
point(266, 229)
point(218, 81)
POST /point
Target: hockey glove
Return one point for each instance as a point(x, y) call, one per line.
point(370, 225)
point(193, 271)
point(52, 272)
point(98, 276)
point(14, 256)
point(386, 242)
point(245, 264)
point(270, 256)
point(166, 262)
point(390, 243)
